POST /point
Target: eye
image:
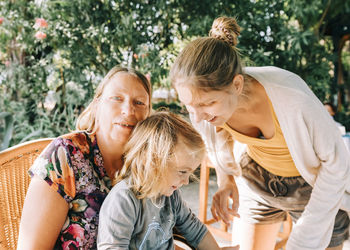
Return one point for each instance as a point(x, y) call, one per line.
point(139, 103)
point(183, 172)
point(207, 104)
point(115, 98)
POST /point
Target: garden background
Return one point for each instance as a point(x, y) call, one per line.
point(53, 53)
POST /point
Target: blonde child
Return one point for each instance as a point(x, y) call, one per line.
point(145, 205)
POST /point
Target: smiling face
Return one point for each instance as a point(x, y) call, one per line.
point(181, 166)
point(123, 103)
point(216, 106)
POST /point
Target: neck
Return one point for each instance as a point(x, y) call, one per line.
point(112, 153)
point(249, 97)
point(249, 101)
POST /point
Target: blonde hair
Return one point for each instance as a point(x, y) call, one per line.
point(210, 63)
point(87, 119)
point(150, 148)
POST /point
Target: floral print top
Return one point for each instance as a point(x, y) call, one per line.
point(73, 166)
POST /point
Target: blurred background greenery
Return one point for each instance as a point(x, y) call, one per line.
point(53, 53)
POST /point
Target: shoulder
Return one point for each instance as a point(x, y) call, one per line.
point(274, 76)
point(283, 86)
point(271, 76)
point(71, 144)
point(121, 191)
point(60, 156)
point(76, 139)
point(80, 140)
point(266, 71)
point(121, 199)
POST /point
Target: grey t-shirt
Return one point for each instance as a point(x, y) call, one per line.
point(129, 223)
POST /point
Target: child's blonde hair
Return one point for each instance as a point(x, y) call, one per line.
point(150, 148)
point(87, 119)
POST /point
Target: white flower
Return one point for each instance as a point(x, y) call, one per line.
point(79, 205)
point(39, 167)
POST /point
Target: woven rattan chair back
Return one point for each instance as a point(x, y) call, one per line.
point(14, 182)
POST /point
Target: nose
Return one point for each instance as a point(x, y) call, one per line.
point(185, 180)
point(128, 108)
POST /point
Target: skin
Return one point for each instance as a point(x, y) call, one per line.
point(251, 116)
point(208, 243)
point(123, 103)
point(181, 167)
point(329, 109)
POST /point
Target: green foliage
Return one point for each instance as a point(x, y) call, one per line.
point(6, 129)
point(85, 38)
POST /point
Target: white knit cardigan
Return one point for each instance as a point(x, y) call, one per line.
point(315, 144)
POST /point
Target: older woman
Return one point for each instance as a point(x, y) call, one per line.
point(73, 175)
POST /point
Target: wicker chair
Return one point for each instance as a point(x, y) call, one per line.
point(14, 182)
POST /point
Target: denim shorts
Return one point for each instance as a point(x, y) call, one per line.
point(266, 198)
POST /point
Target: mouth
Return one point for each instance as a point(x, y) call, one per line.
point(212, 119)
point(125, 125)
point(174, 187)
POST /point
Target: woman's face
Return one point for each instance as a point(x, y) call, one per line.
point(123, 103)
point(214, 106)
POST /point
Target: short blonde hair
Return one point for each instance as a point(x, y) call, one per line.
point(87, 119)
point(150, 147)
point(210, 63)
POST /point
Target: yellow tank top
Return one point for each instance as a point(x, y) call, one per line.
point(271, 154)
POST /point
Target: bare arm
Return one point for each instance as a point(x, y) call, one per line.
point(208, 243)
point(44, 213)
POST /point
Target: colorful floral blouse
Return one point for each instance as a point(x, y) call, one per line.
point(72, 165)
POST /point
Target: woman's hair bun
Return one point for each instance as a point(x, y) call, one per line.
point(225, 29)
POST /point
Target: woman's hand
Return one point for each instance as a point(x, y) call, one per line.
point(220, 206)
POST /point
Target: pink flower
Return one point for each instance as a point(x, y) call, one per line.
point(7, 63)
point(70, 245)
point(76, 231)
point(1, 20)
point(40, 35)
point(40, 23)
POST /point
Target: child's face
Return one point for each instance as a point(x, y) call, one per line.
point(181, 166)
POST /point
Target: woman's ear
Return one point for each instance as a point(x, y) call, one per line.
point(237, 84)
